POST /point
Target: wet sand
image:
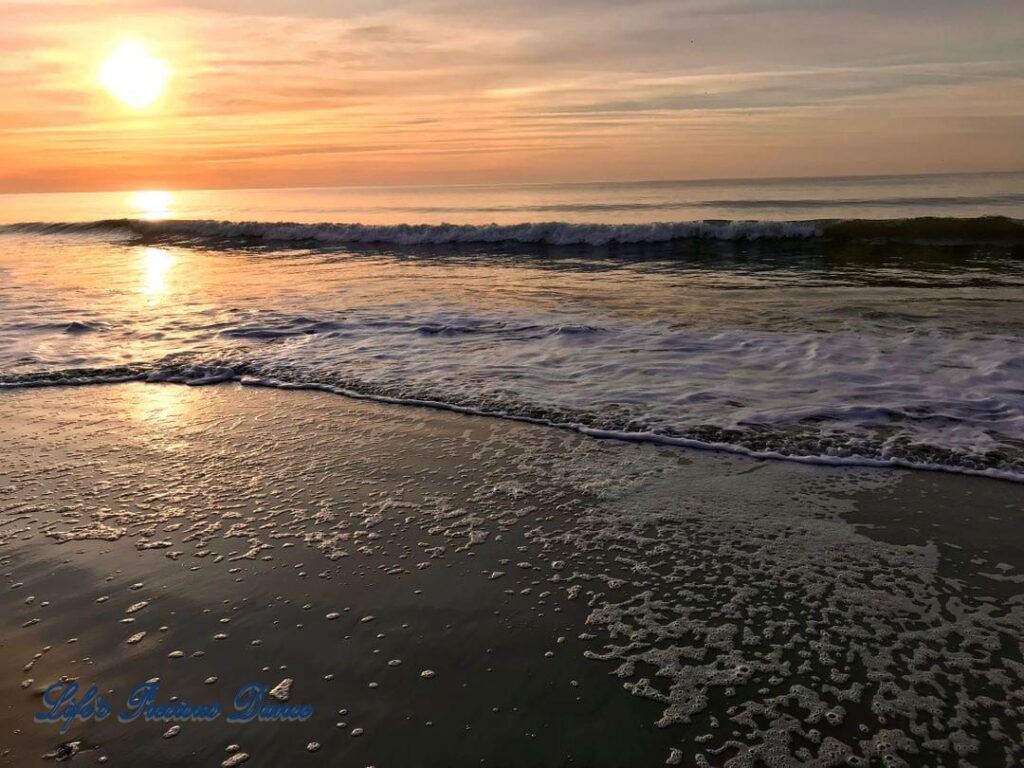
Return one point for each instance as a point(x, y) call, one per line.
point(578, 602)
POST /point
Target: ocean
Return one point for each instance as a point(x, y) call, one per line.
point(864, 321)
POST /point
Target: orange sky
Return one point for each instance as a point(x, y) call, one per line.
point(454, 91)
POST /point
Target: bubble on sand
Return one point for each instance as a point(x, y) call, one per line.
point(162, 544)
point(64, 751)
point(282, 690)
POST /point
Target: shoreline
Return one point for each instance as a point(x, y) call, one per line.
point(228, 376)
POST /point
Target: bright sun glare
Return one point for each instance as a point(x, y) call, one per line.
point(152, 204)
point(133, 76)
point(154, 266)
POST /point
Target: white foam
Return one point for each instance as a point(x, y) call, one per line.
point(931, 401)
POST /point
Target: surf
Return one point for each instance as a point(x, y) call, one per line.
point(554, 233)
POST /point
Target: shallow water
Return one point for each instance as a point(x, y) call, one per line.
point(895, 342)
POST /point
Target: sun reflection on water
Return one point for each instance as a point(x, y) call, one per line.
point(155, 265)
point(152, 205)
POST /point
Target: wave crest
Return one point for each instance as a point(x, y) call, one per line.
point(539, 233)
point(552, 233)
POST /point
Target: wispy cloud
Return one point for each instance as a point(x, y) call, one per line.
point(354, 91)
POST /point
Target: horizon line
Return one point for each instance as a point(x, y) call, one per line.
point(510, 184)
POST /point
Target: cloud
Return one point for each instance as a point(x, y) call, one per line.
point(648, 85)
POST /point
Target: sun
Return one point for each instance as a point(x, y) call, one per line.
point(153, 205)
point(133, 76)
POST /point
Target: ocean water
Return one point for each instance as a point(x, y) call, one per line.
point(872, 321)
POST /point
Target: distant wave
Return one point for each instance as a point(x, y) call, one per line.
point(983, 229)
point(788, 203)
point(541, 233)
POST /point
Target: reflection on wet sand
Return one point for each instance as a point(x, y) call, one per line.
point(159, 404)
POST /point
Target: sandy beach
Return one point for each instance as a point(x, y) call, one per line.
point(574, 384)
point(455, 590)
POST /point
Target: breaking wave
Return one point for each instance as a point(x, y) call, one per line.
point(802, 441)
point(983, 229)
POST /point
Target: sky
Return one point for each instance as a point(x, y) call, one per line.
point(271, 93)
